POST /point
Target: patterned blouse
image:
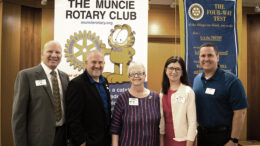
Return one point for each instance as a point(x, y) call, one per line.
point(136, 120)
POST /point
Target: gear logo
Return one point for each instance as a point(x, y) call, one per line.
point(196, 11)
point(78, 45)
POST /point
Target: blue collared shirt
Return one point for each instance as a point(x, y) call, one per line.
point(101, 90)
point(217, 98)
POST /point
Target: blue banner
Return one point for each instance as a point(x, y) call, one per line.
point(210, 21)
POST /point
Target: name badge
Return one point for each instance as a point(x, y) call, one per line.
point(133, 101)
point(40, 82)
point(210, 91)
point(180, 99)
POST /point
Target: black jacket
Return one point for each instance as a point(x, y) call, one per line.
point(86, 116)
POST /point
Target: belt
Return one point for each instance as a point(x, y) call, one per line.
point(213, 130)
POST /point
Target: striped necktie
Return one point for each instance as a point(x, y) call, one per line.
point(56, 95)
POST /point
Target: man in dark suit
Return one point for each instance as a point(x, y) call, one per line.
point(38, 109)
point(88, 105)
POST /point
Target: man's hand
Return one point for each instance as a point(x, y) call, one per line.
point(83, 144)
point(231, 143)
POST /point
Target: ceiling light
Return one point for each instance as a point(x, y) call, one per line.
point(173, 4)
point(257, 8)
point(44, 2)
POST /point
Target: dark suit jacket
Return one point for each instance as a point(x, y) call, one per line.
point(86, 117)
point(33, 118)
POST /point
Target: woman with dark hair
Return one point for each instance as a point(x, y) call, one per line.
point(177, 105)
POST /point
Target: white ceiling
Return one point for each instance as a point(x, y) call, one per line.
point(246, 3)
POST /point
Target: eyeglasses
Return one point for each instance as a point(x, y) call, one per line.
point(137, 73)
point(171, 69)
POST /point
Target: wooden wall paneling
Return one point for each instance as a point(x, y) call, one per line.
point(164, 40)
point(10, 67)
point(162, 20)
point(242, 68)
point(158, 53)
point(253, 37)
point(1, 10)
point(30, 50)
point(242, 56)
point(242, 59)
point(37, 36)
point(47, 32)
point(32, 3)
point(243, 71)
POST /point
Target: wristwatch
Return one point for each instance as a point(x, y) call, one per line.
point(235, 140)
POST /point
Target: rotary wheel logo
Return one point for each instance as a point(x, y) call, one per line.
point(78, 46)
point(196, 11)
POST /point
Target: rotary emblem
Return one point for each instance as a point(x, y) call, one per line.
point(196, 11)
point(78, 45)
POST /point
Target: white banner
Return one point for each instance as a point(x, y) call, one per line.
point(119, 28)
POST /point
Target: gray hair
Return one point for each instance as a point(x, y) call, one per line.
point(47, 44)
point(92, 52)
point(135, 64)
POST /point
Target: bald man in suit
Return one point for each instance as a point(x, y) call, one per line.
point(37, 117)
